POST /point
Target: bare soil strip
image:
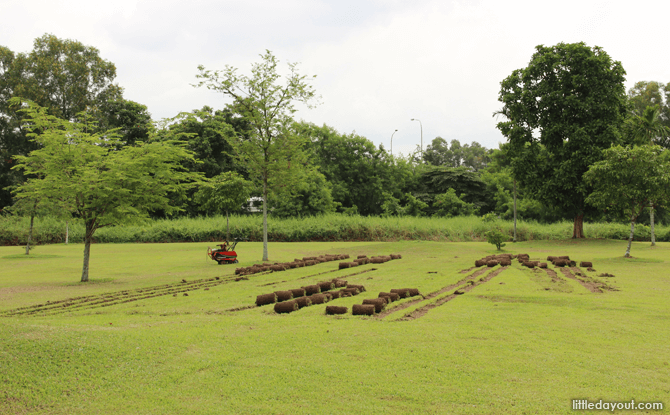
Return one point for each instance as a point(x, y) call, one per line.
point(126, 296)
point(557, 283)
point(119, 297)
point(587, 279)
point(592, 286)
point(420, 312)
point(434, 294)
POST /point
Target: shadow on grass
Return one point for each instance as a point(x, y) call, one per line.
point(32, 256)
point(90, 282)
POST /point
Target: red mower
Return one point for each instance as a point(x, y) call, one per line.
point(225, 254)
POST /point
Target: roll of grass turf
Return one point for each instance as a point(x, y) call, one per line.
point(286, 307)
point(402, 292)
point(298, 292)
point(264, 299)
point(312, 289)
point(326, 285)
point(333, 309)
point(361, 288)
point(585, 264)
point(303, 302)
point(379, 303)
point(363, 309)
point(318, 298)
point(335, 294)
point(284, 295)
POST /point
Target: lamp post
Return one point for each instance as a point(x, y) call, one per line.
point(421, 125)
point(392, 141)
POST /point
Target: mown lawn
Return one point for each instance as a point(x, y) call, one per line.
point(518, 343)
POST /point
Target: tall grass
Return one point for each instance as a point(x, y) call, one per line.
point(334, 227)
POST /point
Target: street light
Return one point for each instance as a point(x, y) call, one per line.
point(421, 125)
point(392, 141)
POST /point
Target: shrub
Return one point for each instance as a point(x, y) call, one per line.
point(496, 238)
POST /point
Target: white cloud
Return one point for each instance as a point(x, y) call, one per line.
point(379, 63)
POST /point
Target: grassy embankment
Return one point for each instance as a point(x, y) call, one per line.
point(518, 343)
point(14, 231)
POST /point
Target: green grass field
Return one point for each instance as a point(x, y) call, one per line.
point(516, 343)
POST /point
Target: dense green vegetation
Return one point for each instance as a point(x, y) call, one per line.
point(333, 227)
point(520, 343)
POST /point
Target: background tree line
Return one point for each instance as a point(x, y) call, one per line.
point(338, 172)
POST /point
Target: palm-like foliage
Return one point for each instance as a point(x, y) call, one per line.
point(649, 129)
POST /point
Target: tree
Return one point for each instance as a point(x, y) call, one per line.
point(648, 94)
point(272, 153)
point(359, 172)
point(439, 153)
point(450, 204)
point(628, 180)
point(103, 182)
point(224, 193)
point(309, 195)
point(473, 155)
point(435, 181)
point(132, 119)
point(648, 128)
point(62, 75)
point(562, 111)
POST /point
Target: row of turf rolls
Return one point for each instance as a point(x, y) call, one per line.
point(294, 305)
point(280, 296)
point(371, 306)
point(524, 259)
point(286, 302)
point(363, 259)
point(283, 266)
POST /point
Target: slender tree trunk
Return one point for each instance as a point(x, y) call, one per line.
point(514, 239)
point(630, 238)
point(227, 228)
point(67, 232)
point(265, 218)
point(651, 217)
point(578, 227)
point(30, 233)
point(88, 236)
point(30, 230)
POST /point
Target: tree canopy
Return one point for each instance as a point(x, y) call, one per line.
point(96, 177)
point(64, 76)
point(561, 111)
point(629, 180)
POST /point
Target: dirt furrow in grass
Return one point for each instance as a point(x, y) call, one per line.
point(420, 312)
point(587, 279)
point(592, 286)
point(119, 297)
point(433, 294)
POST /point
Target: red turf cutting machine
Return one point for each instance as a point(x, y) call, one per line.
point(225, 254)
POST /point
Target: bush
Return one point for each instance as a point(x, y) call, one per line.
point(496, 238)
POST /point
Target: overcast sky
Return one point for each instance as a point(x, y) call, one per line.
point(378, 63)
